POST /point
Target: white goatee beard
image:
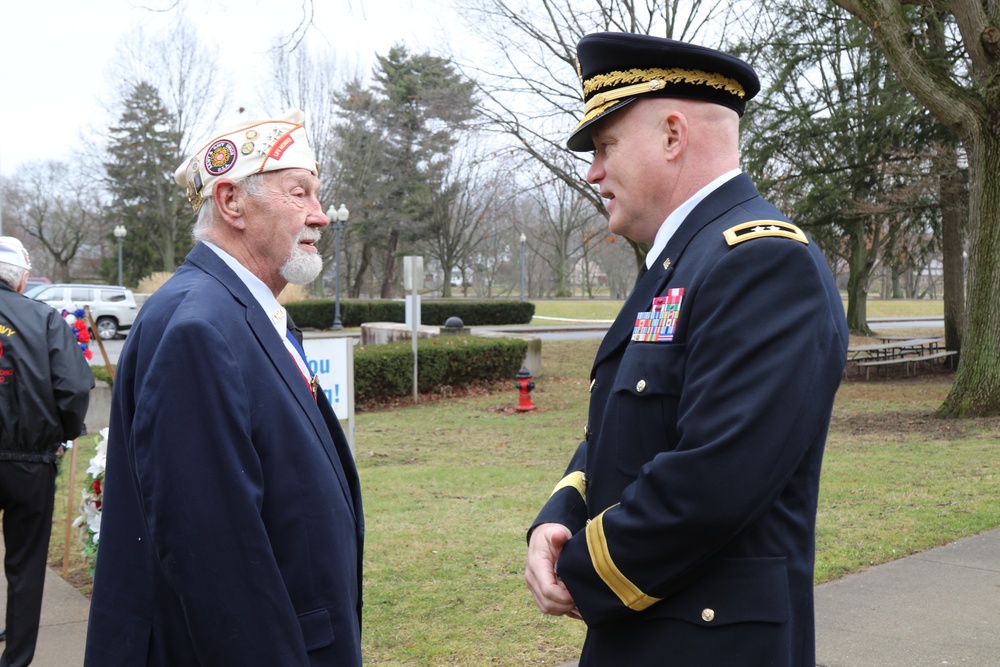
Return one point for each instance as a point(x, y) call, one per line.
point(301, 267)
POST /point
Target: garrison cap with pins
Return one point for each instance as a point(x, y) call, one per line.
point(12, 252)
point(249, 147)
point(616, 68)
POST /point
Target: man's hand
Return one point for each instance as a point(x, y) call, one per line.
point(551, 595)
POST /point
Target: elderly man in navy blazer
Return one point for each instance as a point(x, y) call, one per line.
point(683, 531)
point(232, 526)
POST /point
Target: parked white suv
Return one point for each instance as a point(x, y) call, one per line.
point(113, 308)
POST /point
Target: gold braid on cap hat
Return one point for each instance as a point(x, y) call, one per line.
point(649, 80)
point(672, 75)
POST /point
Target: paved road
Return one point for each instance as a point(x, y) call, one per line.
point(906, 323)
point(112, 347)
point(555, 332)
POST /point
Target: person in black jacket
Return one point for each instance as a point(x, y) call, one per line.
point(45, 385)
point(683, 530)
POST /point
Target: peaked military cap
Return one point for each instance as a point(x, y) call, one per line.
point(616, 68)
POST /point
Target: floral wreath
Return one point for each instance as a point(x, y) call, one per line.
point(77, 321)
point(89, 521)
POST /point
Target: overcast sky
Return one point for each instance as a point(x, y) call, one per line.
point(54, 53)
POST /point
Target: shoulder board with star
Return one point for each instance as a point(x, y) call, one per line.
point(756, 229)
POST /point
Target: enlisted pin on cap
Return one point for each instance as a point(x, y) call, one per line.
point(252, 147)
point(616, 68)
point(12, 252)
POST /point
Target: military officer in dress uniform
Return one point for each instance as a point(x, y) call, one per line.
point(683, 531)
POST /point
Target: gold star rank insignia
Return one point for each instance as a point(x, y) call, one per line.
point(756, 229)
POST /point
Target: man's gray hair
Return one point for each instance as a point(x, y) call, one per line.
point(11, 274)
point(252, 185)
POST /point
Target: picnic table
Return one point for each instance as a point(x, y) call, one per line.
point(893, 350)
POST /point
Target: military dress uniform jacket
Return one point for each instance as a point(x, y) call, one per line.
point(232, 525)
point(693, 500)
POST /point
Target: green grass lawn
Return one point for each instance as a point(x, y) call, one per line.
point(606, 309)
point(451, 485)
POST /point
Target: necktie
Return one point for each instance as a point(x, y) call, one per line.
point(295, 331)
point(296, 342)
point(290, 335)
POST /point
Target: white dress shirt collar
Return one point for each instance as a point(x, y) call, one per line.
point(257, 288)
point(675, 219)
point(262, 293)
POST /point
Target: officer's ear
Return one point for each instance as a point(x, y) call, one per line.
point(674, 134)
point(22, 283)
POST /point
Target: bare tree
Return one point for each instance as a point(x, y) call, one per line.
point(184, 70)
point(59, 214)
point(311, 80)
point(532, 92)
point(616, 260)
point(564, 220)
point(471, 195)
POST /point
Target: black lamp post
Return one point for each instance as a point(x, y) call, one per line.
point(338, 218)
point(120, 233)
point(523, 239)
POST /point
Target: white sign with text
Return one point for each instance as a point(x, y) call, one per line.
point(332, 360)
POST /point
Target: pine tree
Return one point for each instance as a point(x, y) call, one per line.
point(143, 154)
point(405, 126)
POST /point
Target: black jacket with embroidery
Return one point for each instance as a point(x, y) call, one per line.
point(45, 381)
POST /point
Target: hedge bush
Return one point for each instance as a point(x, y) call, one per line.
point(386, 371)
point(383, 371)
point(318, 313)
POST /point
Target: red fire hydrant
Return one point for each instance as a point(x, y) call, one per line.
point(524, 385)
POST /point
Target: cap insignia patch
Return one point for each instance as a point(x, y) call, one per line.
point(221, 157)
point(280, 146)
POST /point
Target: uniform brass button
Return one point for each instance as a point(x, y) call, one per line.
point(708, 615)
point(640, 386)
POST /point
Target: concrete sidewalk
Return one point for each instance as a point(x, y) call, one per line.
point(63, 632)
point(940, 607)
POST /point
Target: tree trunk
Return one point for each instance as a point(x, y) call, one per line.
point(390, 264)
point(446, 287)
point(359, 277)
point(897, 291)
point(859, 269)
point(953, 264)
point(976, 391)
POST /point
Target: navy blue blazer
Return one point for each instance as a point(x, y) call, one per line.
point(693, 500)
point(232, 526)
